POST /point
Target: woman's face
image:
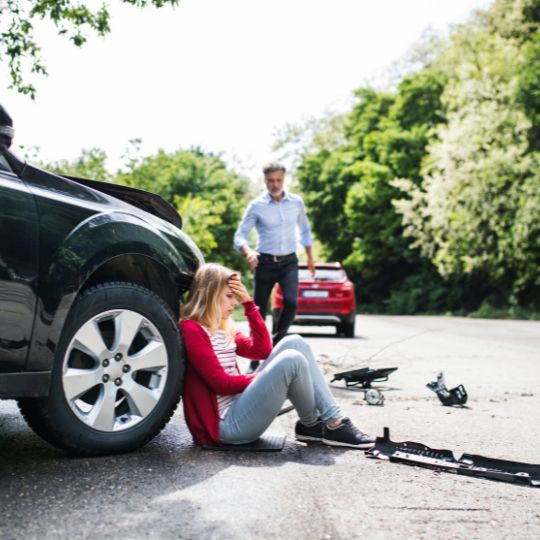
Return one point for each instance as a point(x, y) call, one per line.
point(228, 302)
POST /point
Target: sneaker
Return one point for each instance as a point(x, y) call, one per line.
point(309, 433)
point(346, 434)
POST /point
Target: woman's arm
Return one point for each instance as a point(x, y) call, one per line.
point(203, 359)
point(259, 345)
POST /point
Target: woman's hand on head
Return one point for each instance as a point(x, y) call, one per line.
point(237, 287)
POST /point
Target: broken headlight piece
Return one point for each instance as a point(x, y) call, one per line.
point(455, 396)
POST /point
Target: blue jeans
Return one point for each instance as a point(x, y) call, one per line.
point(291, 371)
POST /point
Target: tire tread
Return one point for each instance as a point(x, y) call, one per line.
point(40, 416)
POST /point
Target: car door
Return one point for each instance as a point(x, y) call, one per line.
point(18, 268)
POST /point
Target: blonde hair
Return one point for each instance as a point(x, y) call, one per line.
point(203, 303)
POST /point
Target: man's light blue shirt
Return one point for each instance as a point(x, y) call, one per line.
point(275, 223)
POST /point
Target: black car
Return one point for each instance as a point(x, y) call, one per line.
point(91, 275)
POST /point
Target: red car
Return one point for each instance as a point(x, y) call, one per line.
point(327, 299)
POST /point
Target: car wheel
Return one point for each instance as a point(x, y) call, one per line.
point(276, 314)
point(348, 329)
point(345, 329)
point(118, 373)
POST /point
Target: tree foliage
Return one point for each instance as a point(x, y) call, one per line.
point(480, 181)
point(294, 141)
point(19, 46)
point(528, 90)
point(348, 190)
point(210, 197)
point(92, 163)
point(432, 197)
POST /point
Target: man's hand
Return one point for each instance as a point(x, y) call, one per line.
point(237, 287)
point(310, 261)
point(252, 257)
point(311, 266)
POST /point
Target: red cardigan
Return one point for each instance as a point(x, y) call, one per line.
point(205, 376)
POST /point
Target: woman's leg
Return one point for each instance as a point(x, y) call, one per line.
point(285, 374)
point(324, 400)
point(343, 433)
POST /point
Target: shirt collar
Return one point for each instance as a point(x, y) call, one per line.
point(268, 198)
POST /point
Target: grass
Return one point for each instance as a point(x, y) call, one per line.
point(486, 311)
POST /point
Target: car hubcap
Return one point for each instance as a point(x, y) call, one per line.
point(115, 370)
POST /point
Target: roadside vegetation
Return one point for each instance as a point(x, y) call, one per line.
point(428, 192)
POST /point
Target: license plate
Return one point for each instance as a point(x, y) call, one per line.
point(315, 294)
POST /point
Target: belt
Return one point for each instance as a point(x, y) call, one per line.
point(277, 258)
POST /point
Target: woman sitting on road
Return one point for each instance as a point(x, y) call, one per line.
point(221, 405)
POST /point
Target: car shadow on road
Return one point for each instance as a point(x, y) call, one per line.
point(157, 482)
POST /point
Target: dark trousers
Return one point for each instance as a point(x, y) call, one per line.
point(285, 272)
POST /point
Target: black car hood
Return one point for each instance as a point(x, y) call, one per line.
point(153, 204)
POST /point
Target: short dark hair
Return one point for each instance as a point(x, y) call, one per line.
point(273, 166)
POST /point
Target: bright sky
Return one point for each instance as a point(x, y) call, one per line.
point(222, 74)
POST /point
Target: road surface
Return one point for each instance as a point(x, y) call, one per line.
point(172, 489)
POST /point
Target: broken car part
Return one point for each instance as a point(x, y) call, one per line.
point(374, 396)
point(455, 396)
point(364, 376)
point(413, 453)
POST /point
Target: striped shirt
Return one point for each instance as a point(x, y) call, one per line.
point(225, 349)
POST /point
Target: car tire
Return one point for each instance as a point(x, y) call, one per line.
point(345, 329)
point(349, 330)
point(118, 373)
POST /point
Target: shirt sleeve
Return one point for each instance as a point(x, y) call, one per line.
point(247, 223)
point(303, 225)
point(259, 345)
point(201, 356)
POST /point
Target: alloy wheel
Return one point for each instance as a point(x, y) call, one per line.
point(114, 370)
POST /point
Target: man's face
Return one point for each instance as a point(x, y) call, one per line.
point(274, 182)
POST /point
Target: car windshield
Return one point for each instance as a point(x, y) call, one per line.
point(322, 274)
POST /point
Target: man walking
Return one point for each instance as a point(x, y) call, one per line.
point(275, 215)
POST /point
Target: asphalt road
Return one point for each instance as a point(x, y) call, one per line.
point(171, 489)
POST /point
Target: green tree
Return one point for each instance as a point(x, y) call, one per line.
point(200, 218)
point(528, 92)
point(474, 212)
point(19, 46)
point(293, 142)
point(210, 197)
point(92, 163)
point(349, 190)
point(432, 195)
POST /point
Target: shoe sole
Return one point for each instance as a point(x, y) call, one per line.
point(362, 446)
point(307, 438)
